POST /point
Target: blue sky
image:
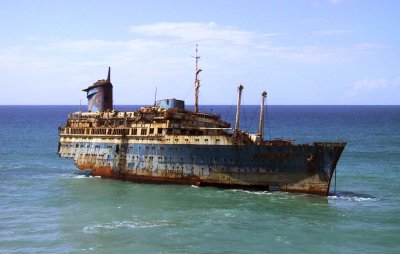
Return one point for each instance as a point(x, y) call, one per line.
point(301, 52)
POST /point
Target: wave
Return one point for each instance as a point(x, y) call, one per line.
point(251, 192)
point(353, 197)
point(124, 224)
point(83, 174)
point(86, 176)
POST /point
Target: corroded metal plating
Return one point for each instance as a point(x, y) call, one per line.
point(166, 143)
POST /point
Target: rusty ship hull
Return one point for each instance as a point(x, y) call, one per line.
point(165, 143)
point(276, 165)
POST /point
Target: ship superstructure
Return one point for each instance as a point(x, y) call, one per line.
point(165, 143)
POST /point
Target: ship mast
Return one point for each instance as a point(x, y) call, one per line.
point(260, 126)
point(196, 84)
point(236, 129)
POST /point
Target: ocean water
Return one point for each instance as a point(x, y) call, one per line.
point(47, 206)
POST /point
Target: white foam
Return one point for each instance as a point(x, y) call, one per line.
point(252, 192)
point(282, 239)
point(229, 215)
point(90, 249)
point(86, 176)
point(96, 228)
point(353, 198)
point(360, 199)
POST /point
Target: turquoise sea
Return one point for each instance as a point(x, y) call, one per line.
point(47, 206)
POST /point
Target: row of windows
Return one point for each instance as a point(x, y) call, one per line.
point(104, 131)
point(133, 132)
point(136, 131)
point(76, 131)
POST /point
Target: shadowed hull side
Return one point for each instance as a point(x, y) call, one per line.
point(314, 178)
point(316, 187)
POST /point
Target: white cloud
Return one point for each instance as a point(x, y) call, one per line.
point(167, 42)
point(228, 41)
point(191, 32)
point(160, 54)
point(368, 86)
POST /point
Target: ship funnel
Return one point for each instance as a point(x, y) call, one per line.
point(100, 95)
point(260, 126)
point(240, 88)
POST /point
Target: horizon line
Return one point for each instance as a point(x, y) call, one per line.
point(190, 105)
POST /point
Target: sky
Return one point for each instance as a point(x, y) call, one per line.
point(305, 52)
